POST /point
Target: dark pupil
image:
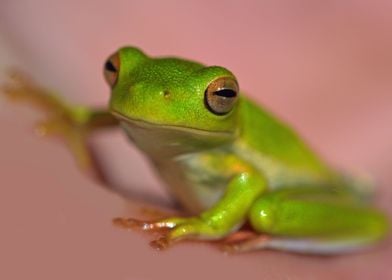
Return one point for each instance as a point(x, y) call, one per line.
point(110, 67)
point(226, 93)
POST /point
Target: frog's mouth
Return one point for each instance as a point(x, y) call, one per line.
point(158, 139)
point(149, 125)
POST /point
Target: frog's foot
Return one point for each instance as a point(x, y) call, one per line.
point(19, 88)
point(244, 241)
point(172, 230)
point(62, 120)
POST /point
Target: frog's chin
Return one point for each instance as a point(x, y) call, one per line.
point(159, 140)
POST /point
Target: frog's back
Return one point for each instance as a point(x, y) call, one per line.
point(276, 149)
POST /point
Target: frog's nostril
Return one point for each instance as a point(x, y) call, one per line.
point(166, 94)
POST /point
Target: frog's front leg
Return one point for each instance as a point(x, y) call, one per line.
point(72, 124)
point(227, 215)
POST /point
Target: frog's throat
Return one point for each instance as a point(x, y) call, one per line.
point(190, 130)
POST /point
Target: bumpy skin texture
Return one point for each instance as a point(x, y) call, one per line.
point(243, 166)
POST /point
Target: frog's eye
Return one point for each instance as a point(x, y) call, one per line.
point(221, 95)
point(111, 69)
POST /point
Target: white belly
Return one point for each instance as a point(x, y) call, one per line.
point(196, 186)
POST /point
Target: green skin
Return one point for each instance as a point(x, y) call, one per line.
point(242, 167)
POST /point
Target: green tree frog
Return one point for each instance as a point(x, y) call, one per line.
point(229, 162)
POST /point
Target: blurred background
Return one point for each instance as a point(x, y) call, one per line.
point(324, 66)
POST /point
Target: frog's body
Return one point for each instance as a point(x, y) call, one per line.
point(198, 178)
point(226, 160)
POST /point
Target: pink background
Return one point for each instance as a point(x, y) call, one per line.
point(325, 66)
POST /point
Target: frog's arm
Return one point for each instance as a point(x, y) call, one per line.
point(70, 123)
point(74, 128)
point(227, 215)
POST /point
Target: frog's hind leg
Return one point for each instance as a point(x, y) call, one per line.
point(295, 245)
point(312, 220)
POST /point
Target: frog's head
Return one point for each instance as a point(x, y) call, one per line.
point(176, 103)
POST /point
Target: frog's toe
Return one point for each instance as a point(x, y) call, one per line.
point(130, 223)
point(161, 243)
point(53, 127)
point(13, 87)
point(19, 87)
point(164, 228)
point(154, 226)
